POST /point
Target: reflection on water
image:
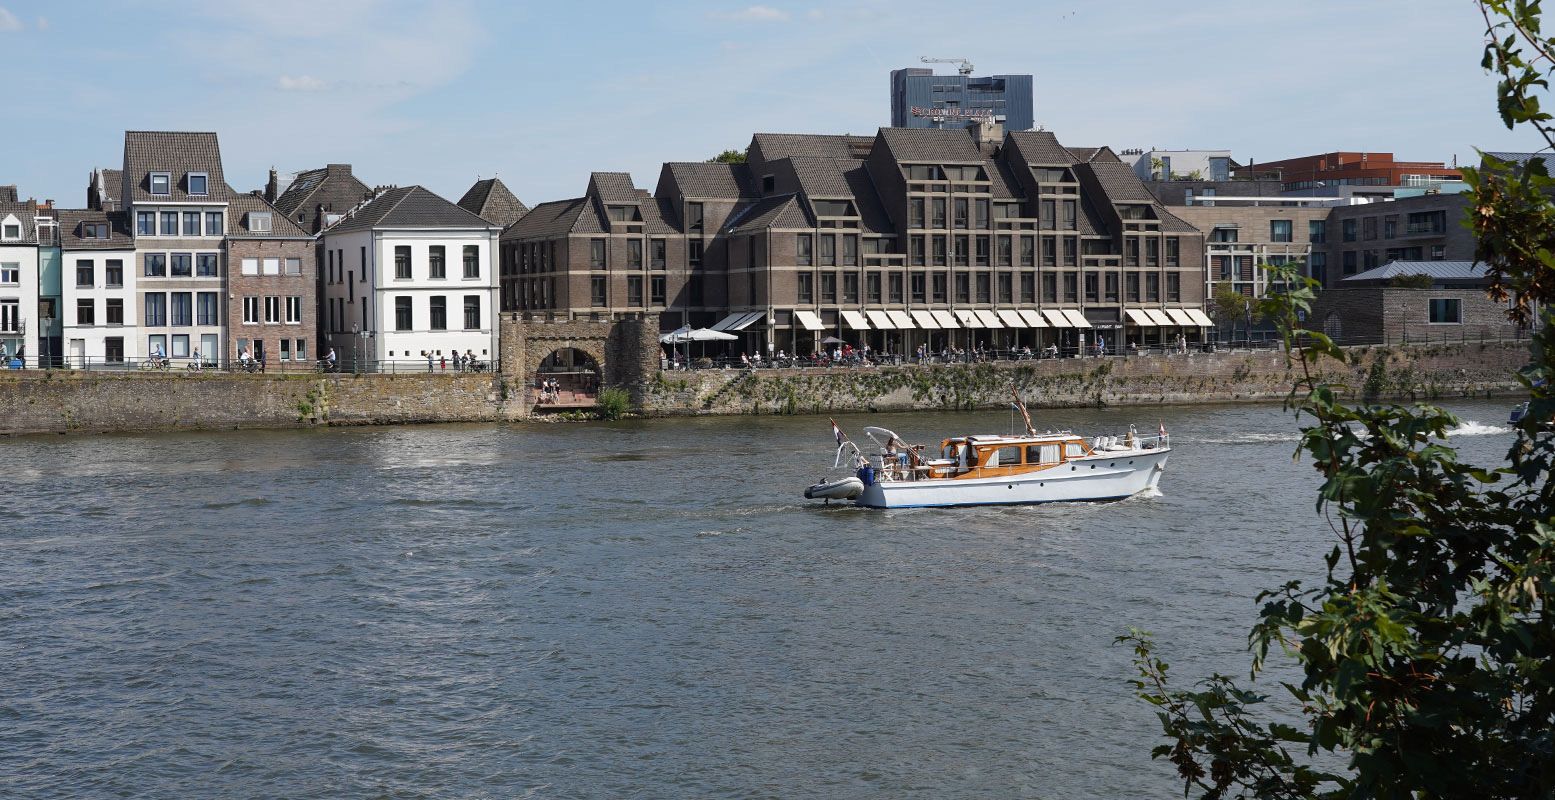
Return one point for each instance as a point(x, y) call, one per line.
point(638, 608)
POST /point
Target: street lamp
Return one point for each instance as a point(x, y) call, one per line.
point(357, 334)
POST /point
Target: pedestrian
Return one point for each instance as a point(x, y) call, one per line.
point(469, 359)
point(430, 366)
point(443, 362)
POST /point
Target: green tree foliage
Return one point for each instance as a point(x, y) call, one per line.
point(1412, 282)
point(728, 157)
point(1427, 653)
point(613, 403)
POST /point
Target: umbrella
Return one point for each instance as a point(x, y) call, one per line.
point(677, 335)
point(832, 340)
point(710, 335)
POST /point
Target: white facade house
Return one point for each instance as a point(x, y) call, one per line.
point(407, 274)
point(99, 305)
point(19, 324)
point(1167, 165)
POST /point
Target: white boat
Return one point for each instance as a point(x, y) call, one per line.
point(993, 469)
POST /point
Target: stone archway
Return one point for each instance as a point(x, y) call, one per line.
point(624, 349)
point(567, 378)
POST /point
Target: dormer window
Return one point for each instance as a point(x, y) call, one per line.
point(11, 230)
point(834, 208)
point(94, 230)
point(199, 184)
point(623, 213)
point(161, 183)
point(259, 221)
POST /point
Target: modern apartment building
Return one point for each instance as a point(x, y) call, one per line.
point(971, 237)
point(921, 99)
point(408, 273)
point(1360, 238)
point(1239, 238)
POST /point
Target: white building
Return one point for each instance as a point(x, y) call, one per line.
point(19, 277)
point(1168, 165)
point(409, 273)
point(100, 307)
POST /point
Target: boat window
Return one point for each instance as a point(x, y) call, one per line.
point(1042, 454)
point(1005, 457)
point(1073, 450)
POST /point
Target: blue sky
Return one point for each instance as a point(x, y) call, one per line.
point(540, 94)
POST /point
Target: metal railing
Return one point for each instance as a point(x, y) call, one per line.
point(181, 365)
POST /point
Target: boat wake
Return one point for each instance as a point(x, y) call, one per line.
point(1253, 438)
point(1474, 428)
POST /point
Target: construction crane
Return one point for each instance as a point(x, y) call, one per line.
point(964, 69)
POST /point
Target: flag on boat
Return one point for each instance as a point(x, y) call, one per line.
point(837, 432)
point(1163, 430)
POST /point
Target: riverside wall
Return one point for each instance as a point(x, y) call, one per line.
point(63, 401)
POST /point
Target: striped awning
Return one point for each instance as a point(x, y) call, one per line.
point(855, 320)
point(1201, 318)
point(1182, 317)
point(901, 319)
point(1057, 318)
point(1076, 318)
point(988, 318)
point(879, 320)
point(728, 323)
point(1161, 317)
point(946, 320)
point(1139, 317)
point(926, 320)
point(1033, 318)
point(968, 318)
point(810, 320)
point(747, 321)
point(1011, 318)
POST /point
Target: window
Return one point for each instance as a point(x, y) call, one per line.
point(402, 316)
point(915, 212)
point(207, 308)
point(1071, 218)
point(872, 287)
point(1071, 248)
point(293, 266)
point(1071, 287)
point(657, 296)
point(1110, 287)
point(180, 346)
point(963, 288)
point(191, 223)
point(828, 251)
point(1280, 230)
point(1438, 252)
point(161, 183)
point(259, 221)
point(250, 266)
point(250, 311)
point(1006, 287)
point(806, 289)
point(156, 343)
point(1049, 287)
point(802, 251)
point(849, 250)
point(1317, 264)
point(437, 263)
point(693, 216)
point(694, 253)
point(963, 251)
point(1390, 226)
point(213, 223)
point(294, 310)
point(657, 254)
point(1317, 231)
point(113, 311)
point(597, 292)
point(113, 349)
point(981, 251)
point(828, 287)
point(182, 309)
point(271, 266)
point(91, 230)
point(155, 310)
point(86, 311)
point(1426, 222)
point(1347, 230)
point(597, 253)
point(1349, 262)
point(169, 223)
point(1152, 252)
point(980, 215)
point(438, 317)
point(206, 265)
point(301, 350)
point(156, 265)
point(1446, 311)
point(937, 206)
point(1131, 287)
point(1049, 251)
point(286, 349)
point(1131, 251)
point(273, 309)
point(85, 274)
point(402, 264)
point(1028, 287)
point(937, 255)
point(182, 265)
point(1369, 228)
point(1092, 288)
point(198, 184)
point(114, 273)
point(1173, 287)
point(1223, 234)
point(634, 290)
point(962, 218)
point(471, 312)
point(634, 257)
point(915, 250)
point(850, 287)
point(145, 223)
point(1152, 287)
point(939, 287)
point(919, 283)
point(1049, 214)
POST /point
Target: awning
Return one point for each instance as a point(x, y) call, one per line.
point(809, 320)
point(1011, 318)
point(1200, 318)
point(1139, 318)
point(751, 319)
point(724, 323)
point(1076, 318)
point(1057, 318)
point(1161, 317)
point(879, 320)
point(1033, 318)
point(926, 320)
point(946, 320)
point(901, 319)
point(968, 318)
point(989, 319)
point(1183, 318)
point(855, 320)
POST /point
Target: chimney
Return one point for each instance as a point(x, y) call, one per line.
point(272, 186)
point(336, 170)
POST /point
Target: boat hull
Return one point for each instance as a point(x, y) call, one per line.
point(1105, 476)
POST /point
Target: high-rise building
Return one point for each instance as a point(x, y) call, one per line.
point(921, 99)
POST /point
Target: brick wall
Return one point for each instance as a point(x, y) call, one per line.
point(283, 286)
point(1387, 314)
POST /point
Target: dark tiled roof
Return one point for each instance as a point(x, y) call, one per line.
point(780, 211)
point(1083, 154)
point(8, 194)
point(334, 187)
point(409, 207)
point(241, 211)
point(1120, 183)
point(1439, 270)
point(932, 145)
point(612, 187)
point(490, 199)
point(547, 220)
point(176, 153)
point(776, 146)
point(71, 221)
point(26, 213)
point(823, 177)
point(705, 179)
point(1042, 148)
point(657, 217)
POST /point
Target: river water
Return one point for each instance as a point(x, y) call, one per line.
point(641, 609)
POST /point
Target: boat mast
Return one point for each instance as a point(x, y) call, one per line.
point(1030, 429)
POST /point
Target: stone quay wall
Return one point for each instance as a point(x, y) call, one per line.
point(1425, 372)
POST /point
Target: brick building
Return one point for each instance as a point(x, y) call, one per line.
point(967, 237)
point(1329, 170)
point(1364, 237)
point(1238, 238)
point(1368, 308)
point(272, 279)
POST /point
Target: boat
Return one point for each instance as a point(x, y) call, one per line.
point(845, 488)
point(996, 469)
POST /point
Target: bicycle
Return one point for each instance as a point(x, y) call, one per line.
point(325, 365)
point(162, 363)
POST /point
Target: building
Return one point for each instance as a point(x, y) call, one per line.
point(19, 277)
point(100, 307)
point(491, 200)
point(1173, 165)
point(272, 285)
point(1373, 307)
point(409, 273)
point(958, 237)
point(1209, 193)
point(1355, 173)
point(1239, 238)
point(317, 198)
point(921, 99)
point(1360, 238)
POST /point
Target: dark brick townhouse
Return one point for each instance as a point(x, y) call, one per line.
point(272, 288)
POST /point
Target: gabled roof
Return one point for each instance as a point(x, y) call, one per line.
point(779, 211)
point(8, 193)
point(553, 219)
point(708, 179)
point(1120, 183)
point(932, 145)
point(26, 214)
point(409, 207)
point(71, 221)
point(490, 199)
point(332, 186)
point(1042, 148)
point(1438, 270)
point(775, 146)
point(823, 177)
point(612, 187)
point(178, 154)
point(240, 216)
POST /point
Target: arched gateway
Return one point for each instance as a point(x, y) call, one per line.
point(567, 378)
point(583, 354)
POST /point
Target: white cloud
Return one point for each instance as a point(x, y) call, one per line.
point(756, 14)
point(8, 21)
point(300, 83)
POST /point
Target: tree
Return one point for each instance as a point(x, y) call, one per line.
point(1156, 165)
point(1230, 306)
point(728, 157)
point(1428, 651)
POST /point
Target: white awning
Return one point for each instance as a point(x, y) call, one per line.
point(724, 323)
point(747, 321)
point(879, 320)
point(989, 319)
point(1033, 317)
point(1161, 317)
point(1057, 318)
point(968, 319)
point(855, 320)
point(1011, 318)
point(1138, 317)
point(1201, 318)
point(809, 320)
point(926, 320)
point(1183, 318)
point(1076, 318)
point(946, 320)
point(901, 319)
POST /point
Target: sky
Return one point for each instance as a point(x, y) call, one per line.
point(541, 94)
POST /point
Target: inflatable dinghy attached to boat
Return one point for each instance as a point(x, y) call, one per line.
point(839, 489)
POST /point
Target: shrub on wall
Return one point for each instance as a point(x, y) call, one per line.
point(613, 403)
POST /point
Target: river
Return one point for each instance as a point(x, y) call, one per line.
point(637, 609)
